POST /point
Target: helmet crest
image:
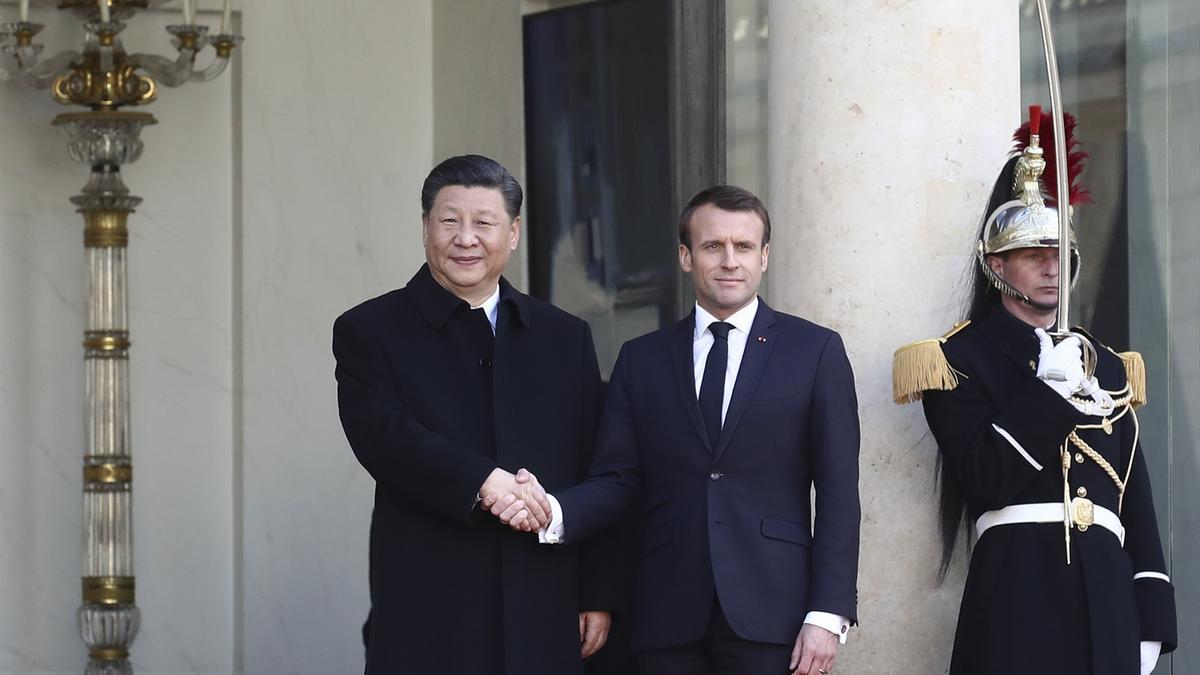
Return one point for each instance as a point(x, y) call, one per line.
point(1029, 219)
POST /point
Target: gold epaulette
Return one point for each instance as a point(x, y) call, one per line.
point(920, 366)
point(1135, 372)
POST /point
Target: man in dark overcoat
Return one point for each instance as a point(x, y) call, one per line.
point(442, 386)
point(1042, 456)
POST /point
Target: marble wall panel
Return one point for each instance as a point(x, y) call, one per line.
point(337, 127)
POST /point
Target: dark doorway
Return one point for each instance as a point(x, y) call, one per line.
point(600, 210)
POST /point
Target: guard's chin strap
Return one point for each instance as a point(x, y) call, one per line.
point(1001, 284)
point(1039, 306)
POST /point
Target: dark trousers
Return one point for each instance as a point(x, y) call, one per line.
point(719, 652)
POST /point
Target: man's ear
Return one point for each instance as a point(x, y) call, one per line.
point(685, 258)
point(996, 264)
point(514, 234)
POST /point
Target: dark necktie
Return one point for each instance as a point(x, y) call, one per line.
point(712, 385)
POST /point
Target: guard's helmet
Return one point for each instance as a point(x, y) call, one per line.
point(1026, 220)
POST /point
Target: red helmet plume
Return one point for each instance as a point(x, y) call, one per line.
point(1075, 157)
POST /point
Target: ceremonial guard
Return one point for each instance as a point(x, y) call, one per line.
point(1038, 441)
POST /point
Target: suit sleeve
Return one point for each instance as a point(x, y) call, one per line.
point(994, 451)
point(599, 577)
point(1153, 590)
point(400, 453)
point(833, 446)
point(615, 479)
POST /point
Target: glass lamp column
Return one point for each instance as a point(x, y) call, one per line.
point(108, 617)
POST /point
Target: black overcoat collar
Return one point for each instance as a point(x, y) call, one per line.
point(1012, 336)
point(437, 304)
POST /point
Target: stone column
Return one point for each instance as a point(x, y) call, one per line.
point(888, 122)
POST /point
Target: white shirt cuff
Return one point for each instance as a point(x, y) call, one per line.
point(552, 533)
point(838, 625)
point(1150, 652)
point(1008, 437)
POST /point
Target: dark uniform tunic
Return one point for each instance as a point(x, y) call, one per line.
point(1025, 609)
point(431, 402)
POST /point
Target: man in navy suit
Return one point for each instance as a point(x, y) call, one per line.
point(725, 421)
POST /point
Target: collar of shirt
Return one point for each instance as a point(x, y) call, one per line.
point(491, 307)
point(742, 320)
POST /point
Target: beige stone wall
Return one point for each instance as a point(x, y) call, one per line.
point(336, 114)
point(478, 90)
point(887, 124)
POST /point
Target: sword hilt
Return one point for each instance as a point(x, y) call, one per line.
point(1090, 357)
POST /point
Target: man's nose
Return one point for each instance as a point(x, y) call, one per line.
point(465, 236)
point(729, 258)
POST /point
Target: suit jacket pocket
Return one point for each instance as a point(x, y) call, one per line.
point(786, 530)
point(776, 391)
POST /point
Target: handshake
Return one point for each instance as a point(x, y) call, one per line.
point(518, 500)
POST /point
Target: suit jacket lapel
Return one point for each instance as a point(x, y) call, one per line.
point(759, 344)
point(685, 374)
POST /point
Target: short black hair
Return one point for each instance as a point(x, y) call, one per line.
point(726, 198)
point(472, 171)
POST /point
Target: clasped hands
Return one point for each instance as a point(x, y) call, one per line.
point(518, 500)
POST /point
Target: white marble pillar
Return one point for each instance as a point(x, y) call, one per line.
point(888, 122)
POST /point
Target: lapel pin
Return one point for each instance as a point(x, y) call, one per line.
point(762, 338)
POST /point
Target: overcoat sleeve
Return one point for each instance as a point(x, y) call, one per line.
point(833, 446)
point(1152, 588)
point(995, 449)
point(435, 474)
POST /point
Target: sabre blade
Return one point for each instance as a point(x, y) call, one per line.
point(1060, 160)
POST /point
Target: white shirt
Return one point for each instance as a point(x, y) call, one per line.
point(491, 307)
point(702, 341)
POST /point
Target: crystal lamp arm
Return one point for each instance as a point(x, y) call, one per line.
point(34, 72)
point(170, 72)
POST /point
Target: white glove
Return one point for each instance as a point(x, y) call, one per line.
point(1150, 651)
point(1091, 387)
point(1101, 403)
point(1060, 365)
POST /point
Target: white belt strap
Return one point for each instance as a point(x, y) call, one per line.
point(1051, 512)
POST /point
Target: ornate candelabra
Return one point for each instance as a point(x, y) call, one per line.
point(104, 78)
